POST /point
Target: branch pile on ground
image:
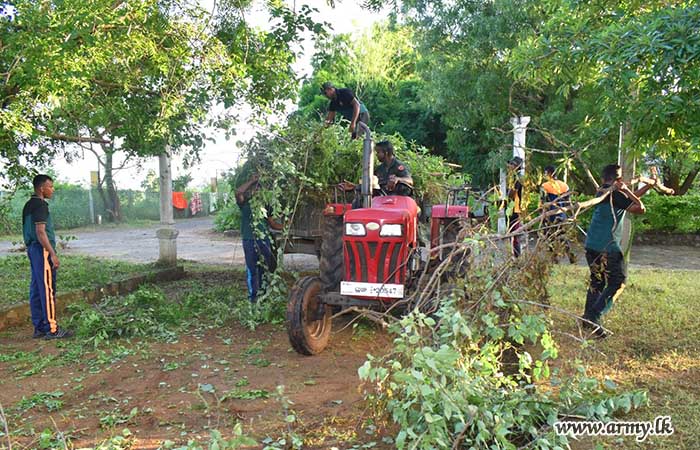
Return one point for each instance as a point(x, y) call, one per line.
point(471, 363)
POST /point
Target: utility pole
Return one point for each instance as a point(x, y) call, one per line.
point(167, 234)
point(519, 135)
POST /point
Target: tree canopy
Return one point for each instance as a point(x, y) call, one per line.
point(580, 70)
point(449, 75)
point(135, 76)
point(380, 65)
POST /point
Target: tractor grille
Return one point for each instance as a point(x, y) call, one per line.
point(386, 257)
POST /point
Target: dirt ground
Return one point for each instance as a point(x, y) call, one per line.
point(212, 378)
point(178, 388)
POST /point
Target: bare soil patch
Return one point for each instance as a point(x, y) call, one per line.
point(208, 379)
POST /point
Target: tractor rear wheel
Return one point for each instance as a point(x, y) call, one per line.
point(331, 258)
point(308, 320)
point(453, 230)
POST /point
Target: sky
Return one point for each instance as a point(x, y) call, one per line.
point(221, 155)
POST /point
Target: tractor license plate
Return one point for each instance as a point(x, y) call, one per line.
point(371, 289)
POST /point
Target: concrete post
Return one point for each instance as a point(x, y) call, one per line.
point(167, 234)
point(519, 134)
point(165, 182)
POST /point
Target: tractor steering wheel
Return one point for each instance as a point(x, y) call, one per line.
point(384, 191)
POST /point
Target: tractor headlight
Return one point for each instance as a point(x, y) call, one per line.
point(391, 229)
point(355, 229)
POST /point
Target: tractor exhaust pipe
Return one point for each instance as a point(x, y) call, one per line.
point(367, 166)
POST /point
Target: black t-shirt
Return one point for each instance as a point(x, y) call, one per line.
point(36, 210)
point(605, 231)
point(342, 103)
point(397, 168)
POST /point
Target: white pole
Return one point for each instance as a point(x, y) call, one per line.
point(619, 145)
point(165, 181)
point(92, 205)
point(519, 134)
point(167, 235)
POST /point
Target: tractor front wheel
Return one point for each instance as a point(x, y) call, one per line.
point(308, 319)
point(331, 254)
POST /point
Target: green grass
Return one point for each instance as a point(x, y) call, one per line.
point(119, 327)
point(13, 237)
point(656, 346)
point(76, 272)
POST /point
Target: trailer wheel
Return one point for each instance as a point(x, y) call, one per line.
point(331, 257)
point(308, 320)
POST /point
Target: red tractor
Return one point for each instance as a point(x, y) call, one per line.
point(370, 258)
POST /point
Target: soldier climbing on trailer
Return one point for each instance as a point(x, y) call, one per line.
point(344, 101)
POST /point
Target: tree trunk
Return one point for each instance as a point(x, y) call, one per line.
point(683, 188)
point(627, 161)
point(673, 179)
point(586, 186)
point(111, 199)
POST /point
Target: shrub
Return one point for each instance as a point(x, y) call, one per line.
point(148, 313)
point(670, 214)
point(477, 373)
point(229, 217)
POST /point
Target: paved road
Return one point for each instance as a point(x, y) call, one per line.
point(198, 242)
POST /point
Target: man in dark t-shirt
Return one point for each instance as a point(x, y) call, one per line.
point(344, 101)
point(606, 262)
point(40, 240)
point(255, 238)
point(393, 176)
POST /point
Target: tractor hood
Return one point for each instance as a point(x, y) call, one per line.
point(386, 209)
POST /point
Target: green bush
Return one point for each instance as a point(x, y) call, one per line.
point(138, 205)
point(311, 158)
point(228, 218)
point(12, 220)
point(482, 371)
point(670, 214)
point(70, 208)
point(144, 313)
point(149, 313)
